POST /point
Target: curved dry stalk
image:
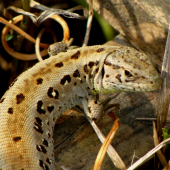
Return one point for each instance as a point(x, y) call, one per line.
point(63, 23)
point(37, 44)
point(161, 156)
point(27, 36)
point(38, 39)
point(21, 56)
point(111, 151)
point(168, 166)
point(10, 50)
point(105, 145)
point(66, 34)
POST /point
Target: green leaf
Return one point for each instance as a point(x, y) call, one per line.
point(9, 37)
point(165, 133)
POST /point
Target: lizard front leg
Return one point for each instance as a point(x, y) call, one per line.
point(94, 109)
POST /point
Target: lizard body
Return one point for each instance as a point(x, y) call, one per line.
point(35, 100)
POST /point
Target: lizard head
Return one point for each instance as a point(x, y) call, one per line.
point(127, 69)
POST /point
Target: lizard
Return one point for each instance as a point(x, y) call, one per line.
point(34, 101)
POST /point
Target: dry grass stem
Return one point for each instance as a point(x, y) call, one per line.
point(89, 23)
point(111, 151)
point(134, 156)
point(21, 56)
point(156, 142)
point(37, 44)
point(27, 36)
point(149, 154)
point(164, 92)
point(150, 119)
point(63, 23)
point(105, 145)
point(168, 166)
point(38, 39)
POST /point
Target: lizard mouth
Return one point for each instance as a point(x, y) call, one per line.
point(150, 85)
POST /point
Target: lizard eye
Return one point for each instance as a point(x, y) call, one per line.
point(128, 73)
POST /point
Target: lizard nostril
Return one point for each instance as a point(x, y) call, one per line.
point(94, 119)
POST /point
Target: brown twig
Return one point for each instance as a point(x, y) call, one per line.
point(62, 22)
point(164, 92)
point(24, 24)
point(111, 151)
point(12, 52)
point(161, 156)
point(15, 54)
point(4, 65)
point(105, 145)
point(38, 39)
point(15, 20)
point(37, 44)
point(168, 166)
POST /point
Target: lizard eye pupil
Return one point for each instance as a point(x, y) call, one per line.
point(128, 73)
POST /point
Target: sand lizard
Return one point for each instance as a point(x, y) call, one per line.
point(35, 100)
